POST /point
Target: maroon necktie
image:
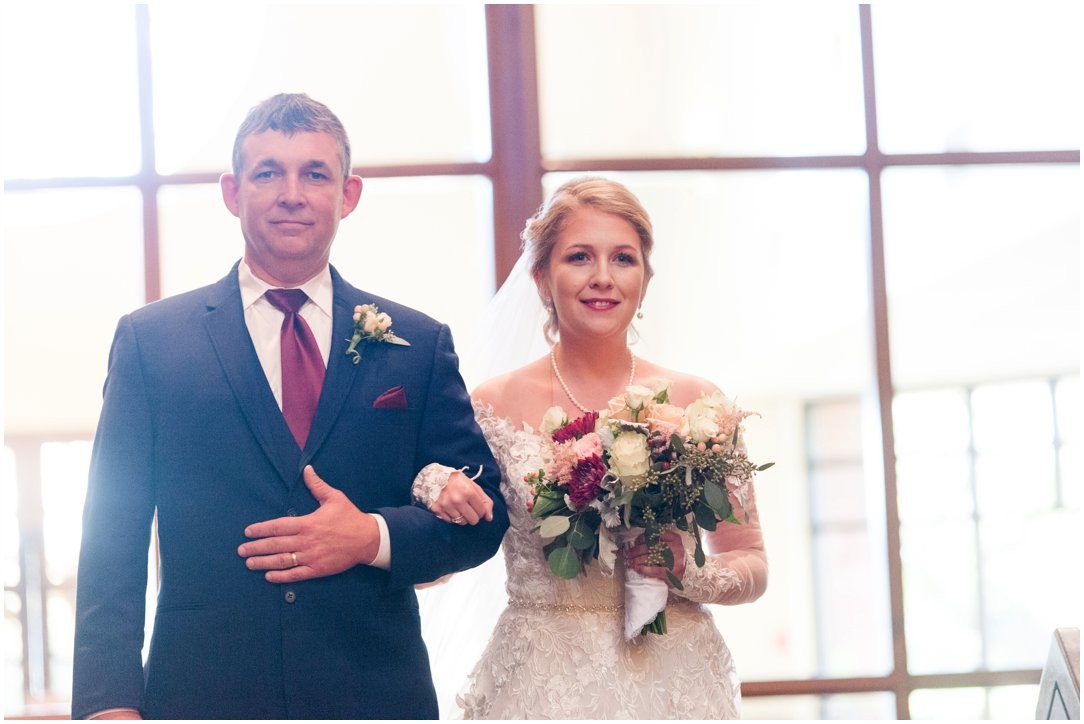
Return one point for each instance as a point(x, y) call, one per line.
point(302, 363)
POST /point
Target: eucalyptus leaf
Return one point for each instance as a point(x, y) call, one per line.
point(705, 516)
point(554, 545)
point(675, 581)
point(727, 513)
point(698, 554)
point(590, 553)
point(553, 526)
point(715, 497)
point(564, 562)
point(546, 504)
point(765, 466)
point(582, 536)
point(668, 558)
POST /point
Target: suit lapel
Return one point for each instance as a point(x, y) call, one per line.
point(341, 370)
point(225, 322)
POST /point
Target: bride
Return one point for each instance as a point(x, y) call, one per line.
point(558, 649)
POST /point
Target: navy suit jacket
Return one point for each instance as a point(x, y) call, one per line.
point(190, 432)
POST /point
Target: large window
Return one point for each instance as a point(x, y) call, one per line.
point(868, 230)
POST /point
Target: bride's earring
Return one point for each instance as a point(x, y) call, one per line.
point(640, 313)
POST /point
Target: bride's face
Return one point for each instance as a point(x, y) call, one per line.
point(596, 275)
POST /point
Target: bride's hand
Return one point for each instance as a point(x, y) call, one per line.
point(636, 557)
point(462, 501)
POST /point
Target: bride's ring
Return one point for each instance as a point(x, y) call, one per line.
point(458, 520)
point(294, 557)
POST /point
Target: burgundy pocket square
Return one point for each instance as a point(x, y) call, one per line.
point(394, 398)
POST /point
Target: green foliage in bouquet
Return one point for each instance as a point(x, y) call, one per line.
point(640, 473)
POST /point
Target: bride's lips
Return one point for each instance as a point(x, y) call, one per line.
point(599, 304)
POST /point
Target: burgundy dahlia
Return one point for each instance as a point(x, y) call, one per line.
point(577, 428)
point(585, 483)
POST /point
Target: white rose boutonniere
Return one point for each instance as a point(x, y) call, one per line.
point(371, 325)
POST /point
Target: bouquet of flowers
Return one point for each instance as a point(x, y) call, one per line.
point(640, 467)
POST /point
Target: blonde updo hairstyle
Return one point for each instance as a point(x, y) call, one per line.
point(540, 234)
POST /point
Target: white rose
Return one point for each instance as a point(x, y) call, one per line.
point(370, 323)
point(702, 420)
point(629, 455)
point(703, 427)
point(659, 385)
point(636, 396)
point(383, 321)
point(554, 419)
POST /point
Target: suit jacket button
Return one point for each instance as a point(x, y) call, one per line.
point(290, 596)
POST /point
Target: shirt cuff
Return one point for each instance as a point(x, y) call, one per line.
point(383, 555)
point(103, 712)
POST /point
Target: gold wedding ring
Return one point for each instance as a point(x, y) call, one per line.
point(458, 520)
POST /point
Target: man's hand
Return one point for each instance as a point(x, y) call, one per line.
point(335, 537)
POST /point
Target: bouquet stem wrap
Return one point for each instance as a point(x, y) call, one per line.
point(645, 597)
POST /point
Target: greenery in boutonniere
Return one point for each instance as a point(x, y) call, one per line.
point(371, 325)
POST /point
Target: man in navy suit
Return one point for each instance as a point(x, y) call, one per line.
point(280, 595)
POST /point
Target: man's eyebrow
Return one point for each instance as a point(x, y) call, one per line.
point(316, 164)
point(267, 163)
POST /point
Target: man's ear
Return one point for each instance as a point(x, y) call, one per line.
point(351, 194)
point(229, 186)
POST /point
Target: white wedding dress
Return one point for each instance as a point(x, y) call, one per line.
point(558, 650)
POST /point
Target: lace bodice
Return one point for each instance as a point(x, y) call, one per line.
point(529, 578)
point(558, 650)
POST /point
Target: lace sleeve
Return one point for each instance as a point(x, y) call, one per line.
point(431, 480)
point(738, 572)
point(429, 483)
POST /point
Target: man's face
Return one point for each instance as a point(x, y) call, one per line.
point(289, 196)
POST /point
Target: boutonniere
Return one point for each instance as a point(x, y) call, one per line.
point(371, 325)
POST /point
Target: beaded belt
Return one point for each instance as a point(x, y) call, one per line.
point(597, 608)
point(565, 607)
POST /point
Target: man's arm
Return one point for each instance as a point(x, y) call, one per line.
point(424, 547)
point(338, 536)
point(119, 508)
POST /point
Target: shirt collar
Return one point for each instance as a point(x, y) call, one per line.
point(319, 289)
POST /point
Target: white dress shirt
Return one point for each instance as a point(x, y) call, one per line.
point(264, 324)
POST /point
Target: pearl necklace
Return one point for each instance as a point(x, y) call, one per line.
point(564, 385)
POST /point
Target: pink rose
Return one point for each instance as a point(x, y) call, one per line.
point(588, 445)
point(668, 419)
